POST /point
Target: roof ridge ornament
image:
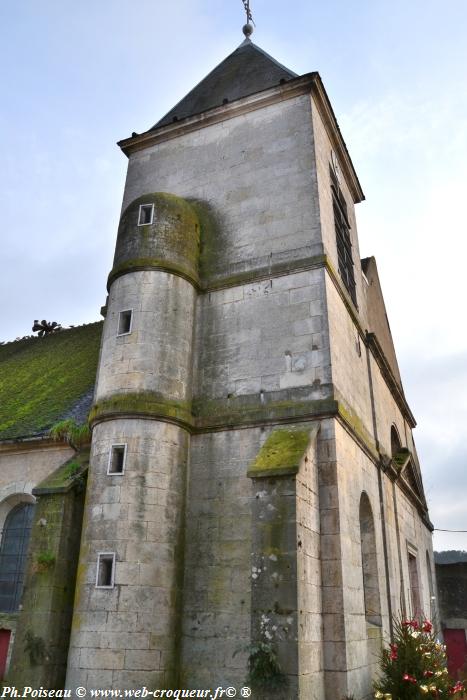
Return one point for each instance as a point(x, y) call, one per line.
point(248, 27)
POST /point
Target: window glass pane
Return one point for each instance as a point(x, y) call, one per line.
point(13, 552)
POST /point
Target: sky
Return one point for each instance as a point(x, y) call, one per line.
point(78, 77)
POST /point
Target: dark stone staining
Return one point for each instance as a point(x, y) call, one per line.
point(204, 413)
point(214, 240)
point(41, 646)
point(171, 241)
point(144, 403)
point(274, 571)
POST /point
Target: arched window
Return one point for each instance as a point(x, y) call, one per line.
point(369, 562)
point(13, 551)
point(395, 441)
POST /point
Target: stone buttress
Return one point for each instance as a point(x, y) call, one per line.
point(128, 596)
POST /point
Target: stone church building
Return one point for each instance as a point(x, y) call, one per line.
point(251, 486)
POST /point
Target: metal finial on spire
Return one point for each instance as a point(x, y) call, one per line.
point(248, 27)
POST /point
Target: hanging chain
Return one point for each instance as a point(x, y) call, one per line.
point(249, 16)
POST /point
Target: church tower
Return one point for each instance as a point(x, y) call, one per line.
point(253, 486)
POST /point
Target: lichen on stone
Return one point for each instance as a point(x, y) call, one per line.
point(172, 238)
point(281, 453)
point(66, 476)
point(143, 403)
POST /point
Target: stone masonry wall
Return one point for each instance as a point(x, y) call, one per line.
point(256, 172)
point(24, 467)
point(266, 336)
point(309, 581)
point(127, 636)
point(218, 547)
point(163, 306)
point(358, 474)
point(41, 644)
point(323, 149)
point(349, 362)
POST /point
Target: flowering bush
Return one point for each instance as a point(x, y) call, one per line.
point(414, 666)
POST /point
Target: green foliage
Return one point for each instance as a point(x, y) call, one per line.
point(45, 560)
point(41, 379)
point(69, 431)
point(414, 666)
point(401, 458)
point(450, 556)
point(35, 647)
point(264, 671)
point(71, 471)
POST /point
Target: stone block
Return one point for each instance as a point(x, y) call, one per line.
point(102, 659)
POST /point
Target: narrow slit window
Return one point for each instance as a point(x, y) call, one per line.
point(105, 570)
point(124, 322)
point(146, 214)
point(117, 459)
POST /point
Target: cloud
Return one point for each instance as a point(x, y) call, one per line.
point(411, 147)
point(436, 388)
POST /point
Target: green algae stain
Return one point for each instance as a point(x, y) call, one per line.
point(280, 454)
point(66, 474)
point(142, 403)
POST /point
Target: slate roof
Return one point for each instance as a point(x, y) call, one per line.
point(246, 71)
point(44, 380)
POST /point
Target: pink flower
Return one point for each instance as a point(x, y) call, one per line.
point(410, 679)
point(410, 623)
point(427, 626)
point(458, 688)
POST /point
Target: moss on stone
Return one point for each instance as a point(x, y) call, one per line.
point(354, 421)
point(401, 458)
point(45, 559)
point(42, 379)
point(44, 620)
point(281, 453)
point(152, 263)
point(242, 410)
point(173, 237)
point(143, 403)
point(63, 478)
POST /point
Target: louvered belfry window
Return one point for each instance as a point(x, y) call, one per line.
point(13, 551)
point(344, 245)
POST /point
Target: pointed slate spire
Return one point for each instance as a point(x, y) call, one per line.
point(246, 71)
